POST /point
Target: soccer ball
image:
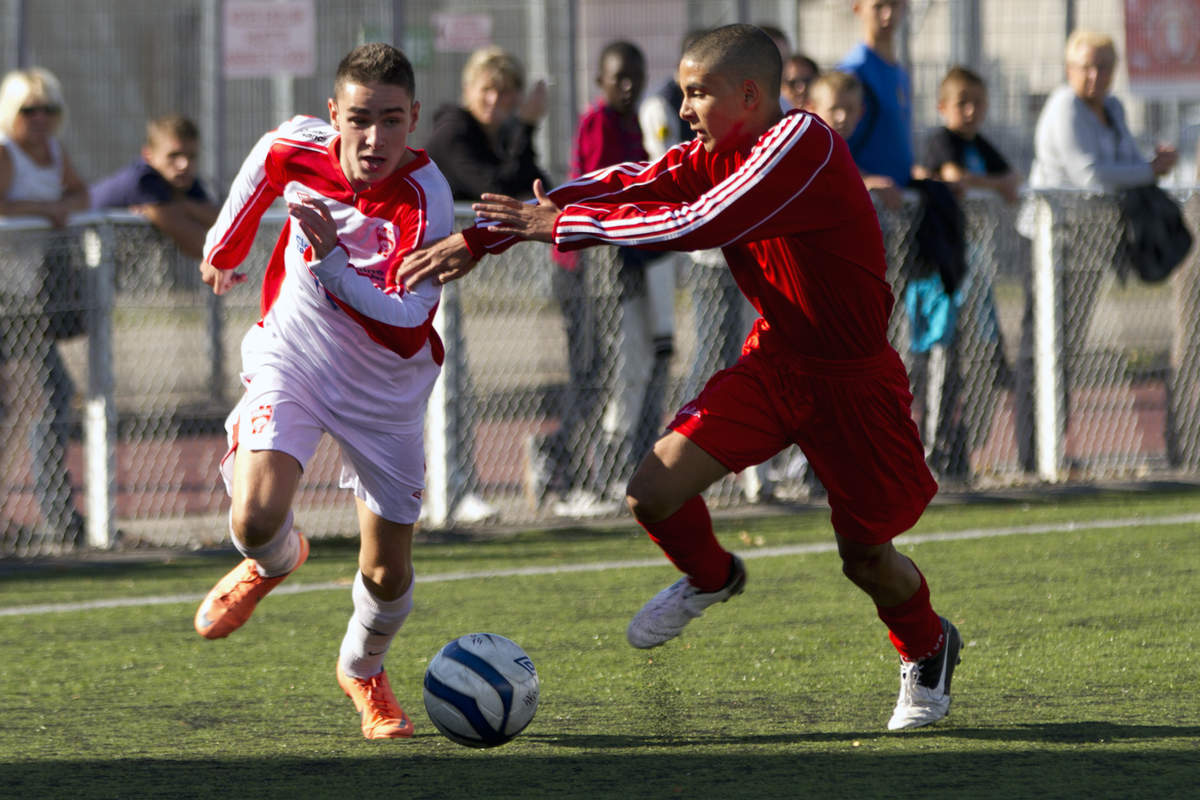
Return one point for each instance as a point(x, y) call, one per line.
point(481, 690)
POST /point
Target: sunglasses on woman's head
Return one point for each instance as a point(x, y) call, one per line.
point(46, 108)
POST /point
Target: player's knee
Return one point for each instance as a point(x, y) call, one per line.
point(863, 567)
point(254, 525)
point(387, 581)
point(646, 502)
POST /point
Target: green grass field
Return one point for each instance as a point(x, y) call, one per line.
point(1080, 676)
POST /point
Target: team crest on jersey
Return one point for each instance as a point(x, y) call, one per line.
point(385, 236)
point(261, 416)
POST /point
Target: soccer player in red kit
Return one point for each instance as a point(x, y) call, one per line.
point(342, 348)
point(782, 197)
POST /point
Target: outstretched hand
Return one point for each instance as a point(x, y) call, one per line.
point(316, 223)
point(444, 261)
point(525, 220)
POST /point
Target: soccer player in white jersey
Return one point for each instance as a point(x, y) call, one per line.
point(342, 348)
point(781, 196)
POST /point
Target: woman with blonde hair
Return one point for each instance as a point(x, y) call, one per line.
point(36, 175)
point(1081, 142)
point(486, 143)
point(38, 179)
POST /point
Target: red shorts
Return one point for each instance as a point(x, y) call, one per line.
point(852, 419)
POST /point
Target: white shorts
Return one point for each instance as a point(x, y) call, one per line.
point(385, 469)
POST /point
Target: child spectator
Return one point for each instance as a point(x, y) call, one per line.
point(957, 152)
point(634, 359)
point(882, 140)
point(958, 348)
point(837, 98)
point(162, 185)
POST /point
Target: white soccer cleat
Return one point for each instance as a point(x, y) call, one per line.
point(669, 611)
point(583, 504)
point(925, 685)
point(472, 509)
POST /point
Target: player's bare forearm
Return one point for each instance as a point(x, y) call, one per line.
point(528, 221)
point(446, 260)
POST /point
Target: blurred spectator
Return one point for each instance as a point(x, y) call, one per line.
point(484, 145)
point(162, 185)
point(882, 140)
point(1081, 142)
point(37, 179)
point(636, 346)
point(882, 145)
point(959, 348)
point(957, 152)
point(837, 98)
point(798, 72)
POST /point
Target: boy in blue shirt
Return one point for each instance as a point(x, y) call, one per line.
point(882, 140)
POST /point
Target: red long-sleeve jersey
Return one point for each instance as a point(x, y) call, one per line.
point(790, 213)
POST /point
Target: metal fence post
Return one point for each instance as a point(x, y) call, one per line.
point(100, 416)
point(1047, 350)
point(438, 450)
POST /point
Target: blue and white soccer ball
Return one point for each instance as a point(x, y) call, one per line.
point(481, 690)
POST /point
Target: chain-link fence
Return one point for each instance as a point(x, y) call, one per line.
point(119, 367)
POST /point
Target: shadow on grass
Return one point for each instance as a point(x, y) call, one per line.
point(1047, 733)
point(1113, 760)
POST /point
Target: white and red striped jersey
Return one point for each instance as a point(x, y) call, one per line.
point(791, 214)
point(341, 326)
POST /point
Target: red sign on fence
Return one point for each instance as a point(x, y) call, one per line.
point(1164, 48)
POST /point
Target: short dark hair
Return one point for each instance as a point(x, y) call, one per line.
point(741, 51)
point(959, 74)
point(690, 38)
point(177, 125)
point(623, 49)
point(376, 62)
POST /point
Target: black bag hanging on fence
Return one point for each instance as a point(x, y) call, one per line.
point(941, 234)
point(1155, 240)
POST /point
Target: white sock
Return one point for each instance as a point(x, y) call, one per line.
point(372, 627)
point(276, 557)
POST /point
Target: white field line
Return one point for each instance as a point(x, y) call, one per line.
point(599, 566)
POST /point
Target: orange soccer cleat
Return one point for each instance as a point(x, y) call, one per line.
point(382, 716)
point(231, 602)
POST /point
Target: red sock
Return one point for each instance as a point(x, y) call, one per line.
point(913, 627)
point(687, 538)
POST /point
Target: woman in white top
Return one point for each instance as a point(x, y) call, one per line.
point(37, 179)
point(36, 176)
point(1081, 142)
